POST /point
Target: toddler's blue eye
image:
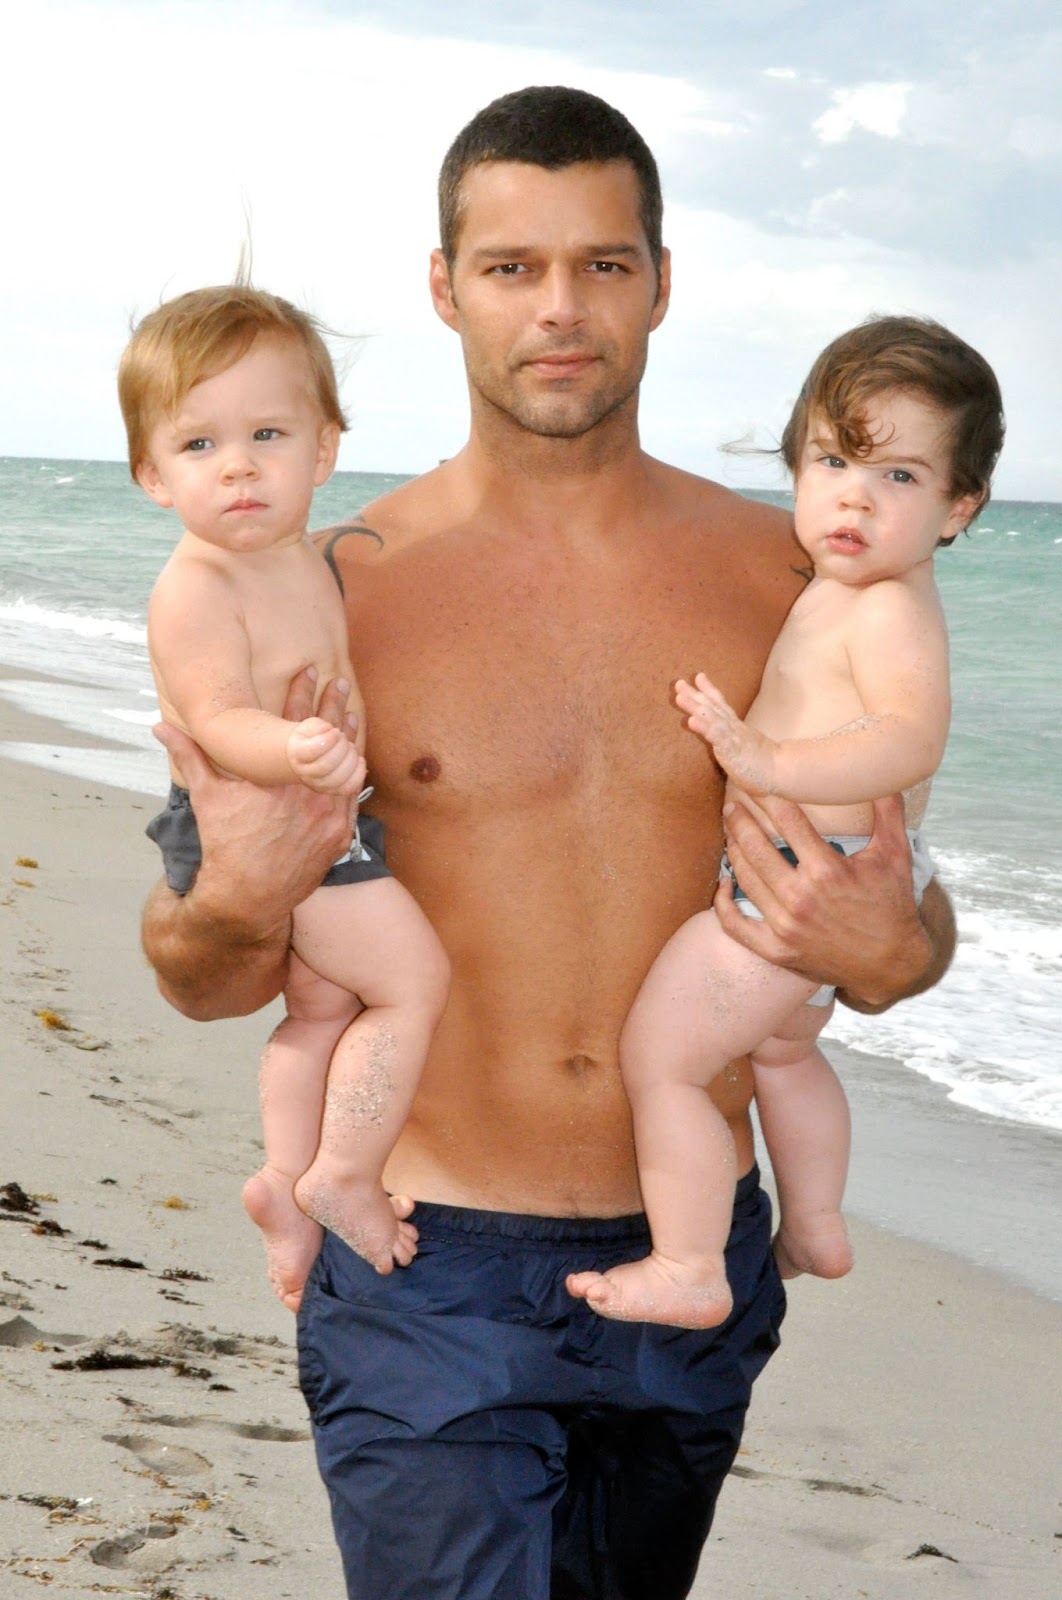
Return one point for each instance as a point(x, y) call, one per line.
point(262, 435)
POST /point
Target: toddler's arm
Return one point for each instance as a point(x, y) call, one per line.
point(201, 652)
point(898, 659)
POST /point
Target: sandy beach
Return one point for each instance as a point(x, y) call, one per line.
point(904, 1443)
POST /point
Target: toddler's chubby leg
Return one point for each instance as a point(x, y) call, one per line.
point(373, 939)
point(291, 1084)
point(806, 1126)
point(705, 1002)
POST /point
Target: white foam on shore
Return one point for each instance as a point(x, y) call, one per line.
point(142, 772)
point(85, 708)
point(989, 1031)
point(28, 614)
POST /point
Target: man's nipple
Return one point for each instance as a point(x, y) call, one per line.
point(425, 770)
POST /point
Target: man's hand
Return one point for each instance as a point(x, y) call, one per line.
point(221, 950)
point(850, 921)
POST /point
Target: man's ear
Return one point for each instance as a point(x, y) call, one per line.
point(663, 291)
point(147, 476)
point(327, 450)
point(442, 294)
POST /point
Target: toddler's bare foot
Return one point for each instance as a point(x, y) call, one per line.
point(817, 1244)
point(292, 1239)
point(362, 1214)
point(657, 1290)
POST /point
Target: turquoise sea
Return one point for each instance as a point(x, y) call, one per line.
point(80, 547)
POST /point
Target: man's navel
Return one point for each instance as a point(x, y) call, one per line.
point(579, 1066)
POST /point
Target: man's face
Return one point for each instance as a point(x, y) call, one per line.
point(553, 291)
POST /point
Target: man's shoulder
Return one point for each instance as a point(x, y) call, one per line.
point(382, 526)
point(714, 510)
point(706, 496)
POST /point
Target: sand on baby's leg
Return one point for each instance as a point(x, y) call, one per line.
point(291, 1092)
point(705, 1002)
point(803, 1112)
point(374, 939)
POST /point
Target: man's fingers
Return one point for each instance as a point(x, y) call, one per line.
point(792, 825)
point(299, 702)
point(332, 705)
point(890, 822)
point(749, 932)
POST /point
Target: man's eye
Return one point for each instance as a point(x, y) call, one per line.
point(508, 269)
point(605, 267)
point(263, 434)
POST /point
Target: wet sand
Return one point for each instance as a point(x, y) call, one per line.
point(902, 1443)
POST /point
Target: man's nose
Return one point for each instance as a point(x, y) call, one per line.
point(562, 304)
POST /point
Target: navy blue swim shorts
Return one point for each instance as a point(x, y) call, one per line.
point(483, 1436)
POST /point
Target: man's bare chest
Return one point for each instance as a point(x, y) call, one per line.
point(548, 677)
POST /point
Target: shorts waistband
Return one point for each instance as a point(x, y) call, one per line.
point(457, 1222)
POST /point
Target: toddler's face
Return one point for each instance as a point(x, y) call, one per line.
point(242, 455)
point(863, 518)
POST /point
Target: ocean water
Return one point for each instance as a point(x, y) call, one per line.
point(80, 547)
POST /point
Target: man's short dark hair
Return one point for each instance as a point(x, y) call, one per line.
point(552, 128)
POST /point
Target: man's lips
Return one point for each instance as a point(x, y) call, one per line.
point(559, 365)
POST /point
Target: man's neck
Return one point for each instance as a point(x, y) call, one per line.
point(536, 481)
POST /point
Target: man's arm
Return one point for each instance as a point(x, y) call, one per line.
point(850, 921)
point(222, 949)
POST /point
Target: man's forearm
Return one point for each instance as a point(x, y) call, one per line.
point(922, 967)
point(209, 967)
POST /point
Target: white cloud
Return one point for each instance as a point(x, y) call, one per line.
point(876, 107)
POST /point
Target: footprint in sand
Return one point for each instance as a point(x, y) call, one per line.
point(269, 1431)
point(121, 1552)
point(172, 1460)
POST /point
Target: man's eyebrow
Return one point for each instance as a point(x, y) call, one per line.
point(521, 252)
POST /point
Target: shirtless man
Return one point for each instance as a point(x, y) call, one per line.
point(516, 620)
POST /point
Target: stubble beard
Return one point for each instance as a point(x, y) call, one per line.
point(554, 416)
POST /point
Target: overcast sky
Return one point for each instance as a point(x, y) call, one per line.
point(819, 162)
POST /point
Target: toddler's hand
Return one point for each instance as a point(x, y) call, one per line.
point(323, 758)
point(744, 753)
